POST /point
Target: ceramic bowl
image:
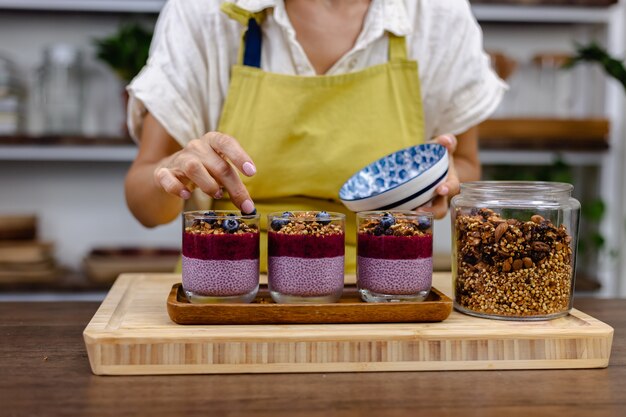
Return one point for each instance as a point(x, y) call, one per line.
point(403, 180)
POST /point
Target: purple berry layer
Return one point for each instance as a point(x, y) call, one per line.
point(223, 246)
point(220, 278)
point(395, 276)
point(305, 277)
point(395, 247)
point(306, 246)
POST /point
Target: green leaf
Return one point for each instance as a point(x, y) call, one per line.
point(125, 51)
point(597, 54)
point(593, 210)
point(597, 240)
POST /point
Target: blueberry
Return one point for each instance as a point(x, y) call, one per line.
point(323, 218)
point(423, 223)
point(230, 225)
point(389, 232)
point(378, 230)
point(387, 221)
point(278, 224)
point(210, 214)
point(287, 214)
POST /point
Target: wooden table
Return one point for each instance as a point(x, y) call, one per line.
point(44, 371)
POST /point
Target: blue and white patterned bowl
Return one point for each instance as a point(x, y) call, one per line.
point(403, 180)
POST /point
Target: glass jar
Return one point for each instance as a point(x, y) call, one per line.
point(61, 86)
point(220, 256)
point(394, 255)
point(514, 249)
point(12, 98)
point(306, 251)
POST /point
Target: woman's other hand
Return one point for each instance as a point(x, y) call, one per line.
point(464, 165)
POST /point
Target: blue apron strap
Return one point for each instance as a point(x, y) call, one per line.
point(252, 45)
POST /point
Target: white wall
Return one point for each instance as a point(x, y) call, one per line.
point(79, 206)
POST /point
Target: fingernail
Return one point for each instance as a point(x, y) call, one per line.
point(444, 190)
point(185, 195)
point(252, 213)
point(249, 169)
point(247, 206)
point(219, 194)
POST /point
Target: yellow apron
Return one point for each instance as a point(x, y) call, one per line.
point(308, 135)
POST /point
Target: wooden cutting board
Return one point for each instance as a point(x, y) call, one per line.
point(132, 334)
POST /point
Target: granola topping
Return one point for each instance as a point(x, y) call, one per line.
point(509, 267)
point(214, 224)
point(312, 223)
point(395, 224)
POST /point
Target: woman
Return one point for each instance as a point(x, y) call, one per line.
point(314, 90)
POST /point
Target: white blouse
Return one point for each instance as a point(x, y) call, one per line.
point(186, 79)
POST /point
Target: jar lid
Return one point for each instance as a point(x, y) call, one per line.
point(543, 189)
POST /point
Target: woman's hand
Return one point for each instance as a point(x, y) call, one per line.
point(464, 166)
point(209, 164)
point(450, 187)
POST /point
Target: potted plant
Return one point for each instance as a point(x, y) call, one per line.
point(125, 52)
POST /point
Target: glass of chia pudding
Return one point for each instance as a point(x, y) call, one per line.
point(220, 256)
point(306, 256)
point(394, 255)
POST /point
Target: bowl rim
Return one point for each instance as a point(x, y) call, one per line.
point(444, 157)
point(357, 205)
point(444, 161)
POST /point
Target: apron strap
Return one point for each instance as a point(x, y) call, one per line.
point(250, 47)
point(397, 47)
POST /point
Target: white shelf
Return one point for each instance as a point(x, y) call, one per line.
point(517, 157)
point(124, 6)
point(543, 14)
point(120, 153)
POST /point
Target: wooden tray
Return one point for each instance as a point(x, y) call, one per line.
point(132, 334)
point(349, 309)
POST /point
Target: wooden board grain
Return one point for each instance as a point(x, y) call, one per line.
point(131, 334)
point(349, 309)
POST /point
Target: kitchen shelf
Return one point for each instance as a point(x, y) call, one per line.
point(542, 14)
point(61, 148)
point(537, 158)
point(578, 135)
point(115, 6)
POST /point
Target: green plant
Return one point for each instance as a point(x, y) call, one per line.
point(594, 53)
point(125, 51)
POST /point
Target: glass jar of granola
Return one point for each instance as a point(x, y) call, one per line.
point(514, 249)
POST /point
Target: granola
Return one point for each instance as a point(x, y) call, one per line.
point(313, 223)
point(396, 224)
point(509, 267)
point(217, 224)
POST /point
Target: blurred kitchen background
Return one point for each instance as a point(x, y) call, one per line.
point(65, 230)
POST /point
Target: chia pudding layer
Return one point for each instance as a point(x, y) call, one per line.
point(220, 263)
point(306, 261)
point(306, 277)
point(395, 260)
point(405, 271)
point(220, 278)
point(306, 266)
